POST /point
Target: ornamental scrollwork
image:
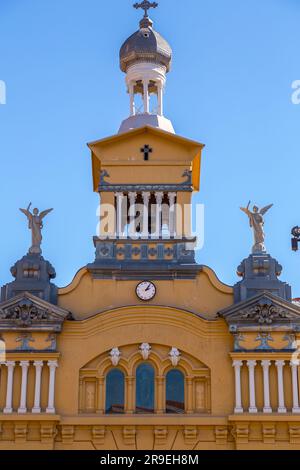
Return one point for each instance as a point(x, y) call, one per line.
point(24, 314)
point(265, 313)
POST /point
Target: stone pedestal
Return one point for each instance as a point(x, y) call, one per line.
point(260, 273)
point(32, 274)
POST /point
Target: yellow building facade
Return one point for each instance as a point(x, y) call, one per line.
point(146, 349)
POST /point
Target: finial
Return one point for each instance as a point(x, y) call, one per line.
point(145, 5)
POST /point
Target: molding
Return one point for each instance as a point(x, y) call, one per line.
point(143, 130)
point(26, 312)
point(263, 311)
point(106, 186)
point(152, 314)
point(216, 282)
point(74, 283)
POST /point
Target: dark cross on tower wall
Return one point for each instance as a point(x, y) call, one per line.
point(145, 5)
point(146, 150)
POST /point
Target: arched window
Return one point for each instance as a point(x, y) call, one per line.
point(115, 386)
point(175, 392)
point(145, 389)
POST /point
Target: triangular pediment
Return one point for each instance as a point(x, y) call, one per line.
point(123, 150)
point(26, 311)
point(263, 310)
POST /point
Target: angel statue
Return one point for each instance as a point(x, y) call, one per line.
point(35, 224)
point(257, 223)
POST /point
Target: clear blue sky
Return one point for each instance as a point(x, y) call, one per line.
point(230, 88)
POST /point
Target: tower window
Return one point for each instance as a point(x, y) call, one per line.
point(175, 392)
point(145, 389)
point(115, 386)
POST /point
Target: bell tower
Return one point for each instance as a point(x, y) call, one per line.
point(145, 175)
point(145, 58)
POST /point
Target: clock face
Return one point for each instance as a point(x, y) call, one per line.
point(146, 291)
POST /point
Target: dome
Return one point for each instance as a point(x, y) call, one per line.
point(145, 45)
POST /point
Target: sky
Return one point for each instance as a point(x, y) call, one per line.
point(230, 88)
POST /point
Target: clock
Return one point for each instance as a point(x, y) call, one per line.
point(146, 291)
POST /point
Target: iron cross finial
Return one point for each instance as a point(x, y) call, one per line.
point(145, 5)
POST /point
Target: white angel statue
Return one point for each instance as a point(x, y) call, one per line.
point(35, 224)
point(257, 224)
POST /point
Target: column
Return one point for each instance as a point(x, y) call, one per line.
point(159, 198)
point(172, 221)
point(160, 99)
point(23, 402)
point(10, 382)
point(52, 369)
point(160, 387)
point(119, 208)
point(238, 389)
point(189, 400)
point(132, 103)
point(146, 199)
point(281, 405)
point(251, 366)
point(146, 96)
point(37, 389)
point(266, 367)
point(100, 398)
point(294, 369)
point(132, 214)
point(129, 407)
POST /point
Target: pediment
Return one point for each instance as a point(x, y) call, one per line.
point(262, 310)
point(28, 312)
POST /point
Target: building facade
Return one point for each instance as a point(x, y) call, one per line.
point(147, 349)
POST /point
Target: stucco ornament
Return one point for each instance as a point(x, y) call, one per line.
point(257, 224)
point(145, 349)
point(265, 313)
point(175, 356)
point(115, 356)
point(35, 224)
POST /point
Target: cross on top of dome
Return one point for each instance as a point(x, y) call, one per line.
point(145, 5)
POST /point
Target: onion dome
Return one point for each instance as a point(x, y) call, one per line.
point(145, 45)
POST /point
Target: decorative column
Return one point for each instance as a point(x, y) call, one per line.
point(160, 99)
point(159, 198)
point(266, 367)
point(172, 221)
point(37, 390)
point(10, 382)
point(160, 386)
point(132, 103)
point(23, 402)
point(251, 366)
point(146, 96)
point(129, 407)
point(52, 368)
point(281, 404)
point(238, 389)
point(146, 199)
point(189, 401)
point(119, 199)
point(132, 214)
point(294, 369)
point(100, 396)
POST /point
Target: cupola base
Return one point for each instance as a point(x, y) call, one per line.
point(142, 120)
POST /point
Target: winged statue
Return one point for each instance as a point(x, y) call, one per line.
point(256, 219)
point(35, 224)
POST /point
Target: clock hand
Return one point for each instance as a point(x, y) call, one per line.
point(148, 288)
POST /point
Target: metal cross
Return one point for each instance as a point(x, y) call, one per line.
point(146, 150)
point(145, 5)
